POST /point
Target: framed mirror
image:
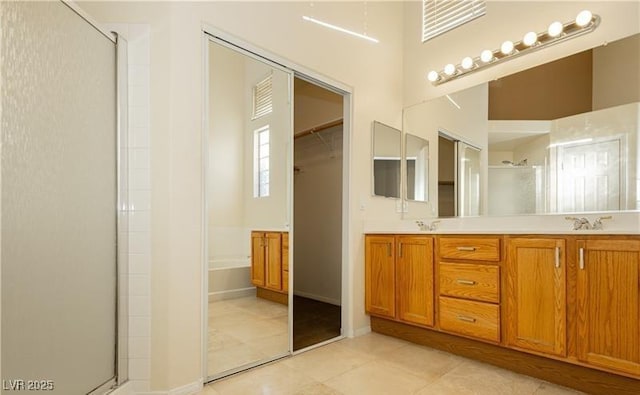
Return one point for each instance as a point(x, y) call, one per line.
point(561, 137)
point(416, 156)
point(386, 160)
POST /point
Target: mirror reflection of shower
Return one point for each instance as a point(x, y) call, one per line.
point(511, 163)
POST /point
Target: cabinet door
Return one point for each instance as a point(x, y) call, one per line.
point(607, 300)
point(274, 260)
point(414, 279)
point(380, 276)
point(257, 259)
point(536, 295)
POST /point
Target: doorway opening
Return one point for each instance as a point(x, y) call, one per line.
point(459, 177)
point(317, 191)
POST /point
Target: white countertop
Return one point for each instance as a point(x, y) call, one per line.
point(622, 223)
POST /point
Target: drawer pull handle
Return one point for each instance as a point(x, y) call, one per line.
point(558, 257)
point(581, 258)
point(466, 319)
point(466, 282)
point(466, 248)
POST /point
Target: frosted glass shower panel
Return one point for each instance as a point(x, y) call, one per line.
point(58, 198)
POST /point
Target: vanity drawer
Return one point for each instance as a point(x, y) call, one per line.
point(470, 281)
point(475, 319)
point(477, 249)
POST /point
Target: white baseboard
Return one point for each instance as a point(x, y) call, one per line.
point(319, 298)
point(231, 294)
point(362, 331)
point(187, 389)
point(124, 389)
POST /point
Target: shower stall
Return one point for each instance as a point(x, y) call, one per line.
point(63, 201)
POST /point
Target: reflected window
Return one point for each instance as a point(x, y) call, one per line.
point(261, 162)
point(262, 98)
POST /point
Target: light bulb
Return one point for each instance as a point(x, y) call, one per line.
point(584, 18)
point(486, 56)
point(433, 76)
point(530, 39)
point(449, 69)
point(467, 63)
point(555, 29)
point(506, 47)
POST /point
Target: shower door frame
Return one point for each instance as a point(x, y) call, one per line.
point(120, 363)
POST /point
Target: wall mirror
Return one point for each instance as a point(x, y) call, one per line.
point(416, 156)
point(557, 138)
point(386, 160)
point(248, 210)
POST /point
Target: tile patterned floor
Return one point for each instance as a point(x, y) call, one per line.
point(375, 364)
point(245, 330)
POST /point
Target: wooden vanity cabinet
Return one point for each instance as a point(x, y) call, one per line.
point(270, 260)
point(536, 295)
point(399, 278)
point(608, 305)
point(564, 308)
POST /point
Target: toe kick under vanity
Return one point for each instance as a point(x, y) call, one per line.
point(563, 308)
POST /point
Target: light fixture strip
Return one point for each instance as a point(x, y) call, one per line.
point(544, 40)
point(340, 29)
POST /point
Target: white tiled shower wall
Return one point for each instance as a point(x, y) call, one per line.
point(139, 208)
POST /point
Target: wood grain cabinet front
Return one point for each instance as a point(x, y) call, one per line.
point(399, 278)
point(536, 295)
point(470, 281)
point(470, 318)
point(469, 286)
point(270, 260)
point(608, 305)
point(470, 248)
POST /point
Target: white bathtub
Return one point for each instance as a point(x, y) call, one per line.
point(229, 279)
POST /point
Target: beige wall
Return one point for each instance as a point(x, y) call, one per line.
point(314, 106)
point(318, 217)
point(616, 82)
point(176, 128)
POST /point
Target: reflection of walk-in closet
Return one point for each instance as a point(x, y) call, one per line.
point(317, 191)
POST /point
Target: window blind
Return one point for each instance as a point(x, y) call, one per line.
point(440, 16)
point(262, 98)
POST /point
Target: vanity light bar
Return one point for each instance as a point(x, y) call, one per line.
point(557, 32)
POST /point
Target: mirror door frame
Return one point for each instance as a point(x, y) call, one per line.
point(213, 34)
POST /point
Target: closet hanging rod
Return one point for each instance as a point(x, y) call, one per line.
point(318, 129)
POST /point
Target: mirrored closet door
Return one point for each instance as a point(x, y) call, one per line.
point(248, 190)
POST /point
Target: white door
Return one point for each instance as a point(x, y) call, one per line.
point(589, 177)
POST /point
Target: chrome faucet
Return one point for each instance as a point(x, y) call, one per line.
point(597, 224)
point(580, 223)
point(430, 227)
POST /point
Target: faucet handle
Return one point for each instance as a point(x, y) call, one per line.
point(433, 224)
point(597, 224)
point(579, 223)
